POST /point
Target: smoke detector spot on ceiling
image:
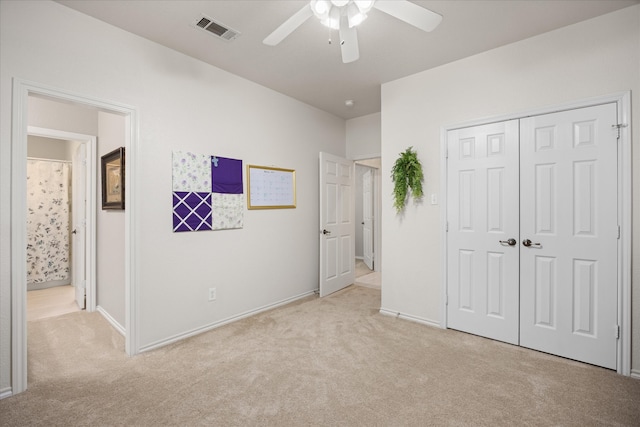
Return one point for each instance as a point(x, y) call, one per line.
point(216, 29)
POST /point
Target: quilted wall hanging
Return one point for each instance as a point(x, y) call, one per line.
point(207, 192)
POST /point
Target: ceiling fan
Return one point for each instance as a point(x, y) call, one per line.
point(346, 15)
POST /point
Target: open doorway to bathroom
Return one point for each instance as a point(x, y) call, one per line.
point(52, 248)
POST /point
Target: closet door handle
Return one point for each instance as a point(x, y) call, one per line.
point(325, 232)
point(510, 242)
point(529, 244)
point(74, 231)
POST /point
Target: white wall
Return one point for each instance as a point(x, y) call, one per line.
point(49, 148)
point(110, 242)
point(273, 258)
point(364, 137)
point(596, 57)
point(53, 114)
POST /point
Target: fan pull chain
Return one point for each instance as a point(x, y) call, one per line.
point(331, 39)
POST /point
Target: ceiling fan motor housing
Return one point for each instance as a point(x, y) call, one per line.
point(330, 12)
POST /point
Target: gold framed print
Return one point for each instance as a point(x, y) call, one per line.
point(270, 188)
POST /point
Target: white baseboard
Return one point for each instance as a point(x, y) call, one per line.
point(222, 322)
point(117, 326)
point(635, 373)
point(46, 285)
point(6, 392)
point(411, 318)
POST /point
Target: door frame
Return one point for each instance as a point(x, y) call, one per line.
point(19, 129)
point(90, 141)
point(623, 102)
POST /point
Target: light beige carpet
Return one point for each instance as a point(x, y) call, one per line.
point(330, 361)
point(362, 269)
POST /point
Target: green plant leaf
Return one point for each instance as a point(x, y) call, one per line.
point(406, 174)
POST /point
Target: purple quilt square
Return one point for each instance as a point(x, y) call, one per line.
point(191, 211)
point(226, 175)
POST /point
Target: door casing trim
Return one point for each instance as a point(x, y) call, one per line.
point(19, 124)
point(623, 103)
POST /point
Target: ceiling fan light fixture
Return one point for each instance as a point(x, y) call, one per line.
point(329, 12)
point(355, 15)
point(345, 15)
point(320, 8)
point(364, 5)
point(333, 19)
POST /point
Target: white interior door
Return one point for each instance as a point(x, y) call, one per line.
point(79, 220)
point(482, 206)
point(367, 218)
point(337, 223)
point(569, 202)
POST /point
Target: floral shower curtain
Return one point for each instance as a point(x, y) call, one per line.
point(48, 185)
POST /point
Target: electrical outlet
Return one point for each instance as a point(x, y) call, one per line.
point(212, 294)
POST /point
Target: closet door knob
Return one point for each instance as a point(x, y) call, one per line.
point(529, 244)
point(510, 242)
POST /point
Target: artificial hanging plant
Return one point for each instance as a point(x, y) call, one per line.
point(406, 174)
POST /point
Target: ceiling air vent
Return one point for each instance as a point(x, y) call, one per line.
point(216, 28)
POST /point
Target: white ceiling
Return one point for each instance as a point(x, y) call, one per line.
point(306, 67)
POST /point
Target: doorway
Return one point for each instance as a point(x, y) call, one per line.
point(338, 223)
point(22, 90)
point(367, 222)
point(60, 222)
point(534, 241)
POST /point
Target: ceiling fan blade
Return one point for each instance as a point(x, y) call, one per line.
point(348, 42)
point(410, 13)
point(288, 26)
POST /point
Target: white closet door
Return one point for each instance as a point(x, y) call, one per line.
point(482, 211)
point(568, 280)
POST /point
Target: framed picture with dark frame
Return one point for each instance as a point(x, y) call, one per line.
point(113, 180)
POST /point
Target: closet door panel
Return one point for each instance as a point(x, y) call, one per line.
point(482, 211)
point(568, 279)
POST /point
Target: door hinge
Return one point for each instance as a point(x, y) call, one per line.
point(446, 299)
point(618, 232)
point(446, 227)
point(617, 331)
point(618, 127)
